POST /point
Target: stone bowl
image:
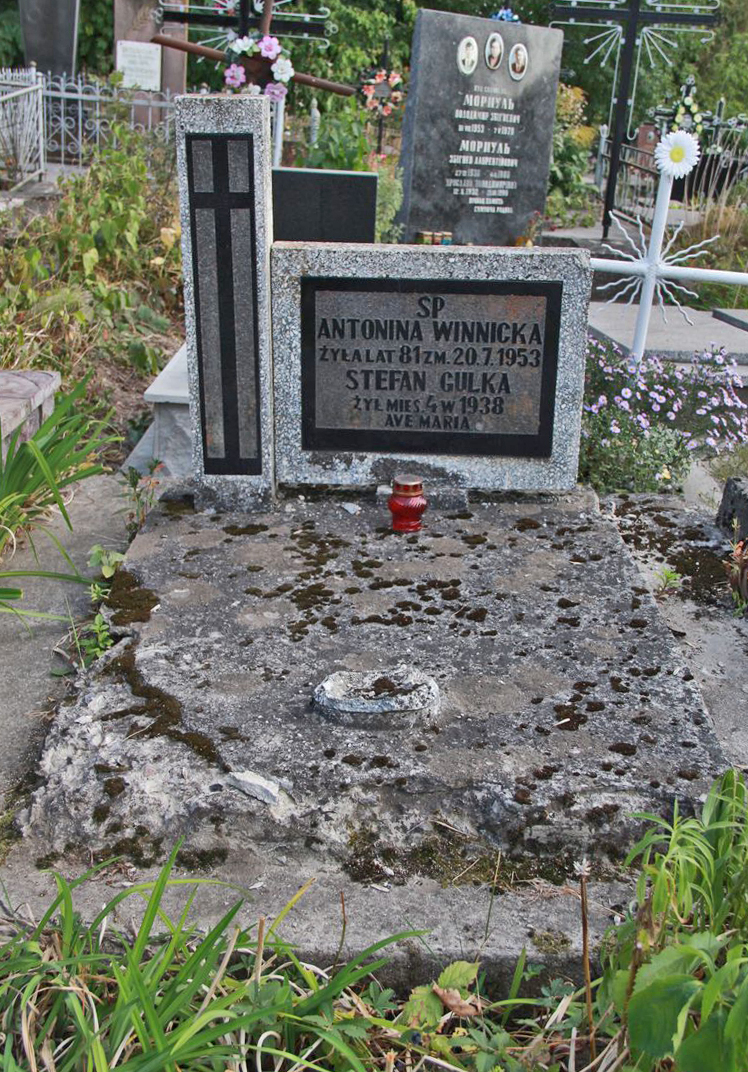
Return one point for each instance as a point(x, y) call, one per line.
point(378, 699)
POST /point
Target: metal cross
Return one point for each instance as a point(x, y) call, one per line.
point(636, 22)
point(237, 18)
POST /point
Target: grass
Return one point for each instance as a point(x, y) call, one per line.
point(672, 997)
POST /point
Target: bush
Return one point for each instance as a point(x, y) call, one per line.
point(102, 273)
point(641, 425)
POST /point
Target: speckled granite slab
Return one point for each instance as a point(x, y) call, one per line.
point(465, 365)
point(224, 161)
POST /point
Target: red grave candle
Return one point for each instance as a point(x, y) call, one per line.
point(407, 503)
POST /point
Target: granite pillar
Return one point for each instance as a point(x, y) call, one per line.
point(224, 155)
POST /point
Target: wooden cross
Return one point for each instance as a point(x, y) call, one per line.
point(633, 19)
point(257, 67)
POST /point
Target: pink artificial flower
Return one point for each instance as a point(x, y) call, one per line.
point(368, 91)
point(235, 75)
point(276, 91)
point(371, 103)
point(387, 109)
point(380, 76)
point(270, 47)
point(394, 78)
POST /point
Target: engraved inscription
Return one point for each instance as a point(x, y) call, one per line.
point(453, 362)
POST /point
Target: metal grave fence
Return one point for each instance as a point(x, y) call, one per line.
point(22, 142)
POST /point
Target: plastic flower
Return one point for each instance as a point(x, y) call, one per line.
point(380, 76)
point(387, 109)
point(276, 91)
point(252, 90)
point(283, 70)
point(368, 90)
point(677, 154)
point(235, 75)
point(395, 78)
point(243, 45)
point(270, 47)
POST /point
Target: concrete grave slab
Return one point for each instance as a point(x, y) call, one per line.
point(565, 704)
point(27, 398)
point(675, 339)
point(381, 363)
point(224, 152)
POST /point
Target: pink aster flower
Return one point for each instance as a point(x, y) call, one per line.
point(276, 91)
point(235, 75)
point(270, 47)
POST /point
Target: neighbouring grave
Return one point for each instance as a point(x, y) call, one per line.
point(135, 23)
point(224, 149)
point(466, 365)
point(478, 127)
point(27, 398)
point(50, 34)
point(139, 64)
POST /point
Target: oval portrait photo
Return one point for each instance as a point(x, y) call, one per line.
point(467, 55)
point(518, 61)
point(494, 51)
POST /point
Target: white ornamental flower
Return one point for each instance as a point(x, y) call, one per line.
point(283, 69)
point(677, 154)
point(243, 44)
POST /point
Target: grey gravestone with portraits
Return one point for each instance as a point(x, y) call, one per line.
point(478, 127)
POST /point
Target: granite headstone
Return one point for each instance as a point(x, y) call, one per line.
point(464, 365)
point(316, 205)
point(478, 127)
point(50, 34)
point(224, 148)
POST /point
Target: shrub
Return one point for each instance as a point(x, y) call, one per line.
point(101, 274)
point(641, 424)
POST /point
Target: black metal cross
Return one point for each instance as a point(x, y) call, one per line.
point(637, 16)
point(241, 21)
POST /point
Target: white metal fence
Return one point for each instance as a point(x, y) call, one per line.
point(79, 115)
point(22, 140)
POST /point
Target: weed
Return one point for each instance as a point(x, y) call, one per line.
point(142, 492)
point(668, 581)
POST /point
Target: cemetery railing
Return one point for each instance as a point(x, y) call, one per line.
point(80, 115)
point(636, 187)
point(22, 145)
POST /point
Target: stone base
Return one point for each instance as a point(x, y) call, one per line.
point(26, 400)
point(169, 439)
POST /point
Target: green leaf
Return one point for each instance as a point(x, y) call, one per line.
point(423, 1008)
point(707, 1050)
point(657, 1013)
point(736, 1028)
point(458, 976)
point(90, 260)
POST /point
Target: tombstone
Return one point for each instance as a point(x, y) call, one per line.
point(463, 365)
point(135, 20)
point(478, 127)
point(50, 34)
point(312, 205)
point(224, 148)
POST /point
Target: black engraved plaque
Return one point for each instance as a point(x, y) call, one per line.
point(429, 366)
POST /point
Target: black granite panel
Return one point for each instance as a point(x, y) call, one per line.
point(222, 219)
point(429, 366)
point(478, 127)
point(50, 34)
point(311, 205)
